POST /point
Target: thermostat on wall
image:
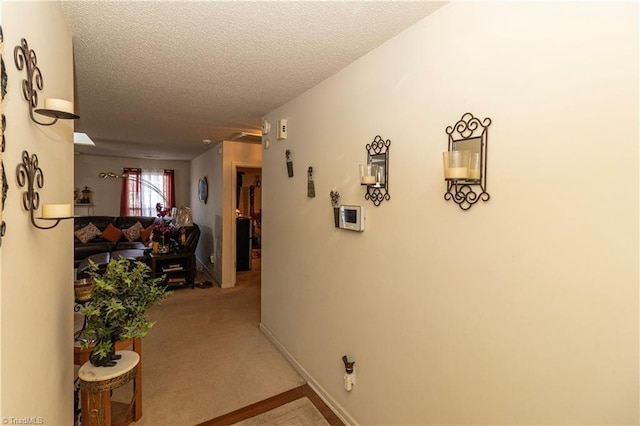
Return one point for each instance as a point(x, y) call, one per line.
point(352, 218)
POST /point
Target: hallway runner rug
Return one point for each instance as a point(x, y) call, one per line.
point(298, 406)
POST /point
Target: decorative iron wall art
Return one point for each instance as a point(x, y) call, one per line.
point(311, 189)
point(375, 174)
point(3, 93)
point(287, 155)
point(29, 174)
point(465, 161)
point(25, 58)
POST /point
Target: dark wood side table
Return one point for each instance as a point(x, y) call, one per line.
point(180, 268)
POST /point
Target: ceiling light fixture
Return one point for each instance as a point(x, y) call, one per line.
point(25, 58)
point(249, 136)
point(206, 141)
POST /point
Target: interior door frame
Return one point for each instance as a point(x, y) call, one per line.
point(235, 165)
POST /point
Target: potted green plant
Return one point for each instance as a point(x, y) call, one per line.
point(117, 311)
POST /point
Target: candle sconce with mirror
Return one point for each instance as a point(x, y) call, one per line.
point(29, 174)
point(375, 174)
point(465, 161)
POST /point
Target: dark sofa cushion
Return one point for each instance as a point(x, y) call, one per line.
point(82, 251)
point(124, 222)
point(128, 245)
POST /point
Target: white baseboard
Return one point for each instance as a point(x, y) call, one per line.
point(322, 393)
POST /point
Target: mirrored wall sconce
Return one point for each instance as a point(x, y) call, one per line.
point(465, 161)
point(29, 174)
point(26, 59)
point(375, 174)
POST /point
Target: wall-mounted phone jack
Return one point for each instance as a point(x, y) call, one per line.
point(350, 373)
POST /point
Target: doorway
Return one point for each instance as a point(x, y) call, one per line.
point(248, 217)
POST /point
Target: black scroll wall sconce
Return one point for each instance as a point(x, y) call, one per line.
point(465, 161)
point(26, 59)
point(3, 93)
point(375, 174)
point(29, 174)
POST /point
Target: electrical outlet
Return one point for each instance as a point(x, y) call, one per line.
point(349, 381)
point(211, 259)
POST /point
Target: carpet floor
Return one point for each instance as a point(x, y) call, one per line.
point(206, 356)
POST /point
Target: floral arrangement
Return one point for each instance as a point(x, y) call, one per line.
point(160, 232)
point(335, 197)
point(163, 227)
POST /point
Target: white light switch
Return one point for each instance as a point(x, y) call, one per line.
point(282, 129)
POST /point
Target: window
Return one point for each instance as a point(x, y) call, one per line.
point(144, 189)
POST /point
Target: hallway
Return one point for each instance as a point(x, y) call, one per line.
point(206, 356)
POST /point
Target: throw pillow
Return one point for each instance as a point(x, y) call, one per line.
point(133, 233)
point(145, 234)
point(87, 233)
point(111, 233)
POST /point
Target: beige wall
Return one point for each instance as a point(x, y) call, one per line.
point(106, 192)
point(218, 215)
point(36, 272)
point(522, 310)
point(209, 216)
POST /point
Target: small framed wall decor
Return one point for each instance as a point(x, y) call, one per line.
point(203, 190)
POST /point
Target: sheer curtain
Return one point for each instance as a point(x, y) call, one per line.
point(144, 189)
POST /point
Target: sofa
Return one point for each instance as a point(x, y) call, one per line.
point(114, 233)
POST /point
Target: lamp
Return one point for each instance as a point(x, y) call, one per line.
point(183, 217)
point(25, 58)
point(465, 161)
point(30, 174)
point(107, 175)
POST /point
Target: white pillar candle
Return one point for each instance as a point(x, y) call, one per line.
point(456, 173)
point(456, 164)
point(55, 211)
point(368, 180)
point(474, 173)
point(58, 105)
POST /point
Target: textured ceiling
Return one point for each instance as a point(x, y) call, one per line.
point(153, 79)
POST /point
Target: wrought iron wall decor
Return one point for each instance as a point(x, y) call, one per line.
point(287, 155)
point(311, 189)
point(3, 177)
point(465, 161)
point(375, 174)
point(25, 58)
point(29, 174)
